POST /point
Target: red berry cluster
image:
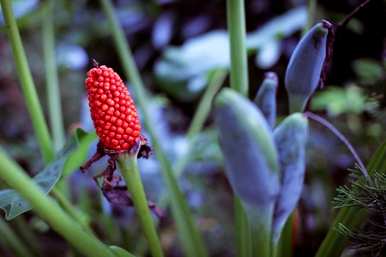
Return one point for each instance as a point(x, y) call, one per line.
point(112, 109)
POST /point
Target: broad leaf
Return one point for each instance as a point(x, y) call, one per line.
point(13, 204)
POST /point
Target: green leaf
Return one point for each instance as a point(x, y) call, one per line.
point(14, 205)
point(67, 160)
point(369, 71)
point(338, 101)
point(77, 157)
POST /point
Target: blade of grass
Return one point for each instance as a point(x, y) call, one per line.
point(49, 210)
point(52, 84)
point(239, 82)
point(335, 242)
point(129, 169)
point(12, 240)
point(311, 13)
point(190, 237)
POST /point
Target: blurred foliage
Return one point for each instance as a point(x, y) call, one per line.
point(336, 101)
point(176, 44)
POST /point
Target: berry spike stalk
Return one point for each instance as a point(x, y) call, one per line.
point(112, 109)
point(117, 124)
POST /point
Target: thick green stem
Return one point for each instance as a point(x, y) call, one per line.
point(12, 240)
point(129, 169)
point(237, 35)
point(27, 83)
point(191, 240)
point(52, 84)
point(50, 211)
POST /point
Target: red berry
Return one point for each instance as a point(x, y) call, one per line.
point(112, 109)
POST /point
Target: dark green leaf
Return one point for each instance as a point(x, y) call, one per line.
point(13, 204)
point(68, 159)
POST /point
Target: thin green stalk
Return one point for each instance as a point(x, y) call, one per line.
point(239, 82)
point(27, 83)
point(50, 211)
point(71, 210)
point(190, 237)
point(237, 35)
point(335, 242)
point(12, 240)
point(311, 13)
point(52, 84)
point(129, 169)
point(200, 116)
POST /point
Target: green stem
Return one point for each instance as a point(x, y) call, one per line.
point(12, 240)
point(27, 83)
point(200, 116)
point(129, 169)
point(311, 13)
point(50, 211)
point(191, 240)
point(52, 84)
point(71, 210)
point(239, 62)
point(239, 82)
